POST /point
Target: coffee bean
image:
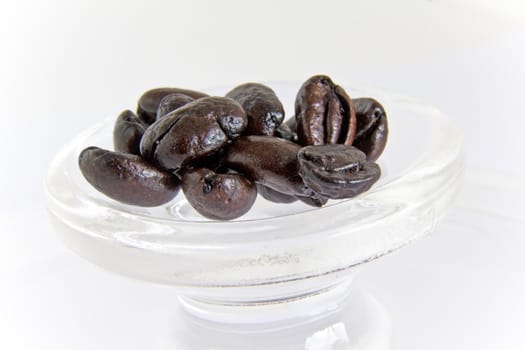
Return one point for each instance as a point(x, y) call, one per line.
point(269, 161)
point(324, 112)
point(317, 201)
point(225, 150)
point(372, 127)
point(288, 130)
point(264, 110)
point(189, 139)
point(196, 130)
point(154, 134)
point(337, 171)
point(148, 104)
point(127, 178)
point(291, 123)
point(127, 132)
point(274, 196)
point(218, 196)
point(172, 102)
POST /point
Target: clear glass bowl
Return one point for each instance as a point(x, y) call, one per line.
point(276, 254)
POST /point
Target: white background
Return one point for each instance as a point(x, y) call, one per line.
point(65, 65)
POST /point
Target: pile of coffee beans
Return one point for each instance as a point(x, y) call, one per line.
point(222, 151)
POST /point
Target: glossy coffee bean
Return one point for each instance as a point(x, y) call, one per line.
point(197, 130)
point(154, 134)
point(264, 110)
point(372, 127)
point(324, 112)
point(288, 130)
point(269, 161)
point(274, 196)
point(337, 171)
point(172, 102)
point(291, 123)
point(218, 196)
point(188, 140)
point(317, 201)
point(127, 133)
point(148, 104)
point(127, 178)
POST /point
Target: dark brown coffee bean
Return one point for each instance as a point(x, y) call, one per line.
point(218, 196)
point(324, 112)
point(274, 196)
point(317, 201)
point(127, 178)
point(269, 161)
point(264, 110)
point(172, 102)
point(189, 139)
point(148, 104)
point(127, 132)
point(288, 130)
point(229, 114)
point(372, 127)
point(337, 171)
point(196, 130)
point(154, 133)
point(291, 123)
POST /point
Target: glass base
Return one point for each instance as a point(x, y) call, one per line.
point(270, 312)
point(352, 320)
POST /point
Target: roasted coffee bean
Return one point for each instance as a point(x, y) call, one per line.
point(224, 151)
point(278, 197)
point(274, 196)
point(213, 162)
point(127, 178)
point(189, 139)
point(317, 201)
point(337, 171)
point(292, 124)
point(172, 102)
point(372, 127)
point(324, 112)
point(264, 110)
point(288, 130)
point(155, 132)
point(148, 104)
point(127, 132)
point(196, 130)
point(269, 161)
point(218, 196)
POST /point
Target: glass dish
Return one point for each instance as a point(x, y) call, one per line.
point(279, 261)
